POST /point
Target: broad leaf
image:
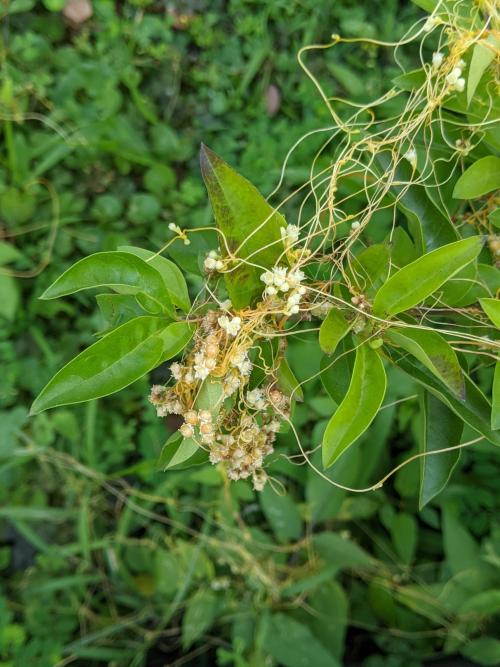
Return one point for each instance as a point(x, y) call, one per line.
point(416, 281)
point(492, 308)
point(176, 451)
point(482, 56)
point(175, 283)
point(480, 178)
point(370, 268)
point(475, 410)
point(427, 224)
point(118, 308)
point(114, 269)
point(359, 407)
point(334, 327)
point(282, 513)
point(249, 225)
point(442, 428)
point(336, 373)
point(432, 350)
point(121, 357)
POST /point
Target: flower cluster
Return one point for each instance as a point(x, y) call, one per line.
point(289, 235)
point(213, 261)
point(238, 431)
point(288, 282)
point(455, 78)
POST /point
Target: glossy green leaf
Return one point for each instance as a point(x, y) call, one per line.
point(475, 410)
point(115, 361)
point(118, 308)
point(441, 428)
point(359, 407)
point(416, 281)
point(495, 403)
point(480, 178)
point(482, 55)
point(433, 351)
point(333, 328)
point(250, 226)
point(428, 225)
point(175, 283)
point(492, 308)
point(178, 450)
point(336, 373)
point(118, 270)
point(486, 602)
point(175, 337)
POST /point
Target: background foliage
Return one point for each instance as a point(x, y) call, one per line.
point(104, 560)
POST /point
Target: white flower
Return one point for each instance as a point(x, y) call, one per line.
point(355, 225)
point(187, 430)
point(437, 59)
point(241, 361)
point(213, 261)
point(210, 264)
point(293, 299)
point(454, 75)
point(225, 305)
point(176, 370)
point(201, 372)
point(295, 277)
point(267, 278)
point(293, 310)
point(289, 234)
point(460, 85)
point(230, 326)
point(271, 290)
point(256, 399)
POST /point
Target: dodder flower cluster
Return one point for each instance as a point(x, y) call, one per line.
point(239, 428)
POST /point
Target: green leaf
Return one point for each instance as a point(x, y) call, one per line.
point(404, 533)
point(494, 218)
point(177, 450)
point(433, 351)
point(282, 513)
point(8, 253)
point(359, 407)
point(175, 337)
point(118, 308)
point(175, 284)
point(288, 383)
point(492, 308)
point(442, 428)
point(369, 269)
point(460, 548)
point(341, 551)
point(199, 616)
point(10, 297)
point(416, 281)
point(336, 374)
point(428, 225)
point(250, 226)
point(474, 409)
point(333, 328)
point(119, 358)
point(118, 270)
point(480, 178)
point(495, 406)
point(486, 602)
point(482, 56)
point(292, 644)
point(483, 651)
